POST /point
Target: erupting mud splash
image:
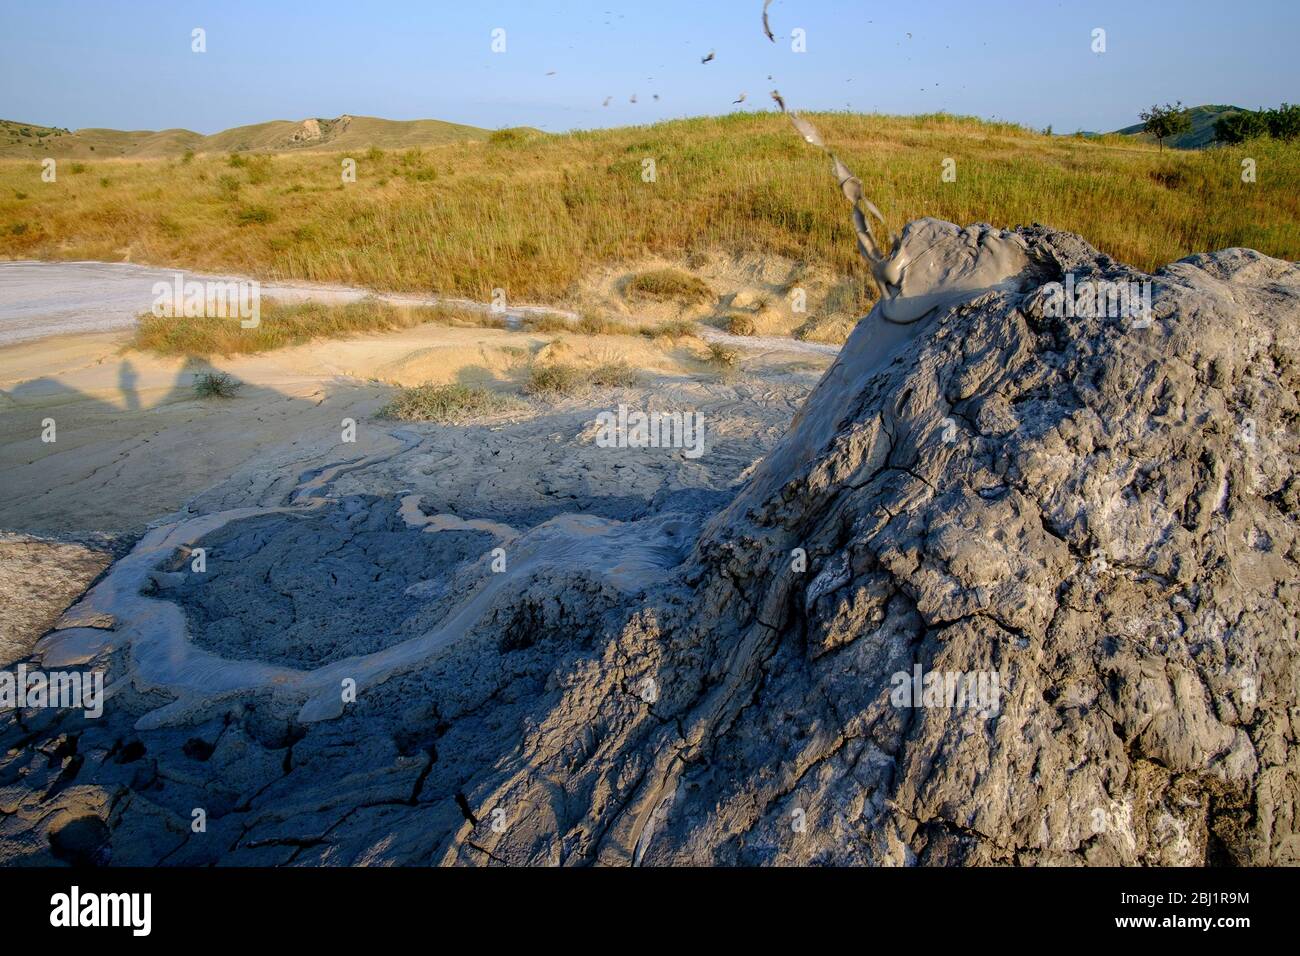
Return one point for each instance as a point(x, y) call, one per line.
point(933, 264)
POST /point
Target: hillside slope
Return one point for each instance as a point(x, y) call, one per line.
point(536, 215)
point(1201, 134)
point(22, 140)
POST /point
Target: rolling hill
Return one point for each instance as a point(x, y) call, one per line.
point(1200, 135)
point(24, 140)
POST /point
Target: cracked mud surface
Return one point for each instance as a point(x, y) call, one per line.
point(1109, 525)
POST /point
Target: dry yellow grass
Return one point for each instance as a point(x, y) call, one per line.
point(533, 214)
point(670, 285)
point(446, 403)
point(283, 324)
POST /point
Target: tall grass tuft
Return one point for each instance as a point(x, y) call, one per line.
point(446, 403)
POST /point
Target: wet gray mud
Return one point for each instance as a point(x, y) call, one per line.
point(308, 591)
point(566, 655)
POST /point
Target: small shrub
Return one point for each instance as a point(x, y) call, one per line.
point(1169, 178)
point(679, 329)
point(670, 284)
point(512, 136)
point(614, 375)
point(555, 381)
point(722, 356)
point(259, 169)
point(591, 324)
point(78, 168)
point(832, 330)
point(445, 403)
point(738, 324)
point(255, 215)
point(216, 385)
point(546, 322)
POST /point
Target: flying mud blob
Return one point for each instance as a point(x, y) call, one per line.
point(767, 28)
point(739, 99)
point(707, 58)
point(607, 99)
point(633, 99)
point(933, 264)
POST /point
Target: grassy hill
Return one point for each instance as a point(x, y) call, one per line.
point(536, 214)
point(20, 140)
point(1200, 135)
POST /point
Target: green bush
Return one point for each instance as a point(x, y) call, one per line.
point(216, 385)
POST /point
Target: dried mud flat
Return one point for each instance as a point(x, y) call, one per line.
point(1103, 516)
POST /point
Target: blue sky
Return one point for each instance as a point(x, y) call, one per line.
point(128, 65)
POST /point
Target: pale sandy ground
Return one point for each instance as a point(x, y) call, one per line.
point(133, 443)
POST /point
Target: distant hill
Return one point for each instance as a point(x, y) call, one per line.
point(22, 140)
point(1202, 132)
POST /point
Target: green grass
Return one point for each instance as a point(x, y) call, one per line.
point(285, 324)
point(446, 403)
point(535, 216)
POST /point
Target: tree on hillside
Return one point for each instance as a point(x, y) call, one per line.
point(1283, 122)
point(1164, 121)
point(1239, 127)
